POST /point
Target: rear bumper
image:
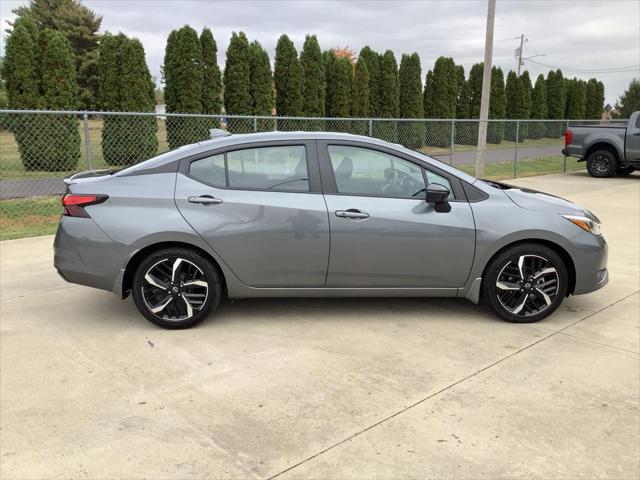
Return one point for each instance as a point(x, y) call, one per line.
point(83, 254)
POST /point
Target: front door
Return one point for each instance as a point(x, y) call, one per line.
point(261, 210)
point(383, 233)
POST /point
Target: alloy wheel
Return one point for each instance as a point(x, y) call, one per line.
point(600, 164)
point(174, 289)
point(527, 285)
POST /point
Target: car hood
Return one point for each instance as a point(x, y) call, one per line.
point(542, 202)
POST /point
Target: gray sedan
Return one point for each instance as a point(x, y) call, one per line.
point(298, 214)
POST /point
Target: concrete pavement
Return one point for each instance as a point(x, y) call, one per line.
point(325, 388)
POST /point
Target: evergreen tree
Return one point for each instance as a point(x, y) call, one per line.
point(59, 91)
point(538, 108)
point(516, 107)
point(497, 106)
point(80, 25)
point(467, 132)
point(261, 85)
point(442, 100)
point(460, 85)
point(314, 82)
point(39, 71)
point(328, 57)
point(125, 85)
point(341, 79)
point(360, 97)
point(289, 80)
point(629, 102)
point(212, 81)
point(599, 101)
point(427, 96)
point(593, 104)
point(184, 79)
point(526, 110)
point(389, 98)
point(372, 59)
point(411, 134)
point(556, 99)
point(237, 84)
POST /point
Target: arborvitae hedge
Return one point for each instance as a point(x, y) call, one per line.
point(592, 109)
point(261, 85)
point(289, 79)
point(237, 84)
point(526, 108)
point(125, 85)
point(339, 93)
point(629, 101)
point(389, 98)
point(39, 71)
point(576, 99)
point(538, 108)
point(497, 106)
point(211, 80)
point(184, 80)
point(328, 57)
point(360, 97)
point(442, 99)
point(556, 99)
point(467, 132)
point(314, 86)
point(515, 107)
point(411, 134)
point(372, 59)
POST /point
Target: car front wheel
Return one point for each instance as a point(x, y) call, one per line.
point(176, 288)
point(525, 283)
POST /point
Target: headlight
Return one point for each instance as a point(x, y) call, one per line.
point(586, 224)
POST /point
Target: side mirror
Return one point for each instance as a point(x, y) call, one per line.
point(437, 195)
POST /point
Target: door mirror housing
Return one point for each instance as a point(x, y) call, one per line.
point(437, 195)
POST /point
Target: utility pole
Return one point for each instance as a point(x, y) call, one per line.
point(486, 89)
point(519, 53)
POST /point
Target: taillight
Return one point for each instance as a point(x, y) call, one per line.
point(73, 204)
point(568, 136)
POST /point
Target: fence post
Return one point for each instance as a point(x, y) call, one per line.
point(515, 157)
point(370, 128)
point(87, 141)
point(564, 158)
point(453, 136)
point(255, 124)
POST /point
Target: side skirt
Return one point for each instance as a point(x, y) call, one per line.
point(248, 292)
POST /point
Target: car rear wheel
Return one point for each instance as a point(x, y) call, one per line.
point(525, 283)
point(176, 288)
point(602, 164)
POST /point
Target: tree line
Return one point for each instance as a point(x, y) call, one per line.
point(50, 65)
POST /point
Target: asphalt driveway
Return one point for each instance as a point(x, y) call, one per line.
point(333, 388)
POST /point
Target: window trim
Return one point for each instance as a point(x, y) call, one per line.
point(311, 155)
point(328, 175)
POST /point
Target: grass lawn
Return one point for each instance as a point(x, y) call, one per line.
point(506, 144)
point(29, 217)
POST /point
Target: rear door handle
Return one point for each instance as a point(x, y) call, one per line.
point(352, 213)
point(205, 200)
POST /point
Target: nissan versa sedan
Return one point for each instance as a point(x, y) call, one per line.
point(301, 214)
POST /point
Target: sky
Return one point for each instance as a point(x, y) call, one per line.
point(587, 38)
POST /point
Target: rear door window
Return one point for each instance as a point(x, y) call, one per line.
point(269, 168)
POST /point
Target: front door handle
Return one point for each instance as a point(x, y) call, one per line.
point(205, 200)
point(352, 213)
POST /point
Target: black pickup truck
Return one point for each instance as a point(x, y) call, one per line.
point(607, 149)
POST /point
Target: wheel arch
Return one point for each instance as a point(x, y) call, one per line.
point(602, 146)
point(140, 255)
point(564, 255)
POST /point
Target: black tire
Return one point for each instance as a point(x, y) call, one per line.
point(625, 169)
point(543, 296)
point(179, 283)
point(602, 164)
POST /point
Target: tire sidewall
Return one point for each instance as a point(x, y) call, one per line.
point(489, 289)
point(613, 164)
point(210, 272)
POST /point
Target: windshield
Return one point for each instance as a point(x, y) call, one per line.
point(443, 166)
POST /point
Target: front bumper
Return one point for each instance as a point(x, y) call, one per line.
point(589, 254)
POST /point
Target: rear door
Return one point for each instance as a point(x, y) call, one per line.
point(632, 153)
point(383, 233)
point(260, 208)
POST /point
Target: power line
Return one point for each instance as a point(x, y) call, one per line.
point(630, 68)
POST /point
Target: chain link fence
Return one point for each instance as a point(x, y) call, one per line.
point(40, 148)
